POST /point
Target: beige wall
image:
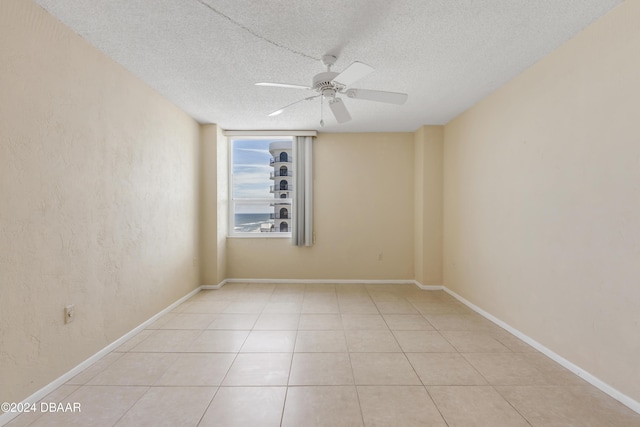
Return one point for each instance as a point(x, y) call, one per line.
point(98, 196)
point(363, 206)
point(542, 201)
point(213, 205)
point(428, 199)
point(222, 169)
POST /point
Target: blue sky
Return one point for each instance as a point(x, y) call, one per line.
point(251, 168)
point(251, 173)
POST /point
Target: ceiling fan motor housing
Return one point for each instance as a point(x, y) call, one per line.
point(324, 81)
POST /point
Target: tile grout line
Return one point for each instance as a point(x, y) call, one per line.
point(355, 385)
point(293, 350)
point(417, 375)
point(130, 407)
point(511, 405)
point(228, 369)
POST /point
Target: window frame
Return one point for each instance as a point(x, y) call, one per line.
point(232, 200)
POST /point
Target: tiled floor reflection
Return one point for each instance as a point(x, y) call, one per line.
point(328, 355)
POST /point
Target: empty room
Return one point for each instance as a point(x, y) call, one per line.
point(363, 213)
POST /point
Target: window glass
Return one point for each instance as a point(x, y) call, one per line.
point(261, 186)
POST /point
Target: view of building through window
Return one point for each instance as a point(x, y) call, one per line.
point(261, 185)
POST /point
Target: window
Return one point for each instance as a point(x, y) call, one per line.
point(261, 186)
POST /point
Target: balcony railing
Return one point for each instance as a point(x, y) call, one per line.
point(279, 216)
point(281, 202)
point(275, 188)
point(280, 173)
point(279, 160)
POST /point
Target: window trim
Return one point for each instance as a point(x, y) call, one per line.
point(232, 135)
point(268, 133)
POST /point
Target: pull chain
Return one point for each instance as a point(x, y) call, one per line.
point(322, 111)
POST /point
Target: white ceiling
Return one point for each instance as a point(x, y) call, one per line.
point(206, 55)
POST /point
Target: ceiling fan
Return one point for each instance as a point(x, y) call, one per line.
point(329, 84)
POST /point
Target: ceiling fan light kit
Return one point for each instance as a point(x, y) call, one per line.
point(329, 84)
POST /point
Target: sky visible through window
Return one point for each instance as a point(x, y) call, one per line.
point(251, 171)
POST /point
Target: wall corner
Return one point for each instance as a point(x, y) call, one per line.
point(428, 203)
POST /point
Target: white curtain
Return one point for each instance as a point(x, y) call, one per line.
point(302, 228)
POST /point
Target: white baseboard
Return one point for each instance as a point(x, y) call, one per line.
point(327, 281)
point(44, 391)
point(429, 287)
point(213, 287)
point(591, 379)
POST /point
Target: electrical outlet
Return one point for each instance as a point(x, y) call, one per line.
point(69, 313)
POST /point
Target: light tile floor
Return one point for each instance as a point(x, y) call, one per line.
point(328, 355)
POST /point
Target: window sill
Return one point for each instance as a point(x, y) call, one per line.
point(259, 236)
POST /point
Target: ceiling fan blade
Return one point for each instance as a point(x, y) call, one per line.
point(275, 113)
point(339, 110)
point(378, 95)
point(353, 73)
point(287, 85)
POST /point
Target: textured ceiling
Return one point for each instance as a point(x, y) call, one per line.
point(206, 55)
